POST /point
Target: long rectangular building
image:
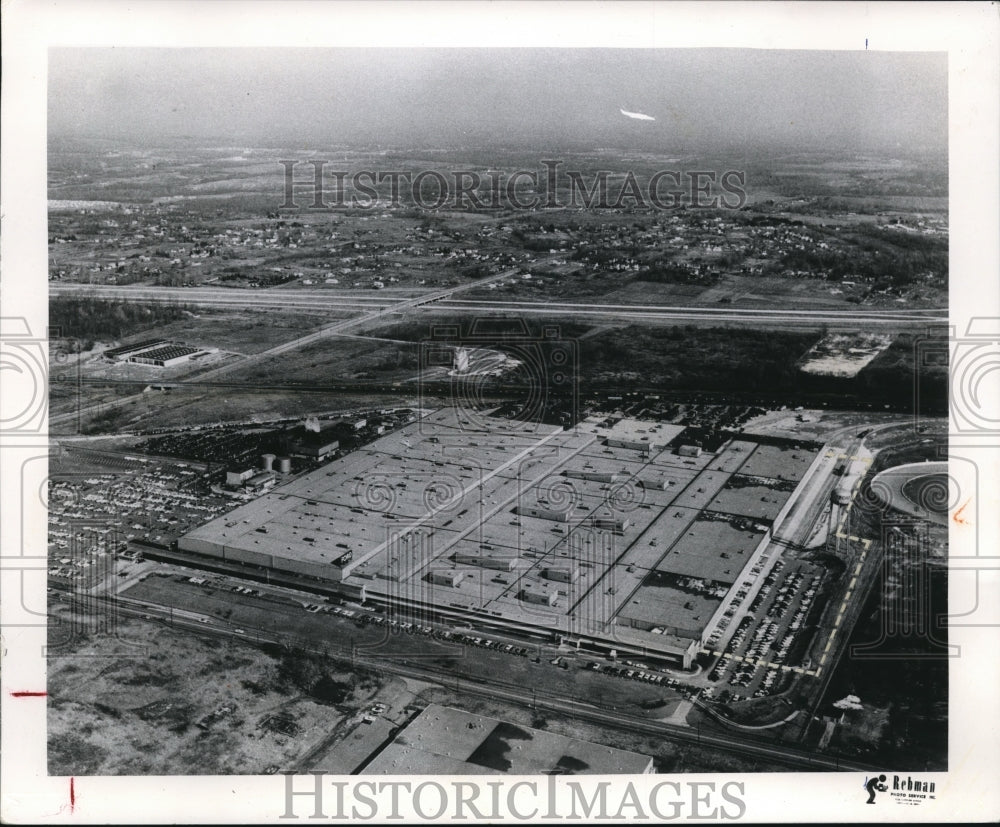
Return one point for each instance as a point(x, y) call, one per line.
point(446, 741)
point(451, 517)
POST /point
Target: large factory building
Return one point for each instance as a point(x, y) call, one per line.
point(463, 522)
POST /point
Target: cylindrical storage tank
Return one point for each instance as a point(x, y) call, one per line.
point(285, 465)
point(268, 460)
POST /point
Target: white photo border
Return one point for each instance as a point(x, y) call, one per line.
point(969, 33)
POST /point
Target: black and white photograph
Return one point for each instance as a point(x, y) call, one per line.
point(448, 429)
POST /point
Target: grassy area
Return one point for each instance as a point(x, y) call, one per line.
point(912, 363)
point(182, 407)
point(335, 359)
point(245, 332)
point(696, 358)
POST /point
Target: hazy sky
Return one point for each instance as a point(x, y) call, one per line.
point(448, 97)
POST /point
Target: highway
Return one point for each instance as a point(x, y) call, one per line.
point(644, 312)
point(380, 302)
point(372, 306)
point(237, 297)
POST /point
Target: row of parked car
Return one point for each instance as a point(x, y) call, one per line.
point(485, 643)
point(766, 586)
point(245, 590)
point(758, 650)
point(365, 619)
point(632, 674)
point(737, 601)
point(734, 644)
point(805, 603)
point(787, 593)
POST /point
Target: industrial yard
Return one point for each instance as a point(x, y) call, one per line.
point(664, 569)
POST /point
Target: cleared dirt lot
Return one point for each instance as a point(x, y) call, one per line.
point(133, 705)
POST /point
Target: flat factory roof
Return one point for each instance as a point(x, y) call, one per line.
point(447, 489)
point(446, 741)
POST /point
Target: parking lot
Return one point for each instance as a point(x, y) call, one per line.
point(764, 646)
point(94, 516)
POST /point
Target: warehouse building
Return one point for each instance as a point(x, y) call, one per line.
point(120, 354)
point(446, 741)
point(436, 518)
point(166, 356)
point(259, 483)
point(316, 440)
point(234, 479)
point(316, 446)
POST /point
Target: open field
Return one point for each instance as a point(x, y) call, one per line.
point(337, 358)
point(187, 406)
point(133, 705)
point(246, 333)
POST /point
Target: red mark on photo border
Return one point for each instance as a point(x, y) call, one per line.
point(72, 795)
point(28, 694)
point(957, 517)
